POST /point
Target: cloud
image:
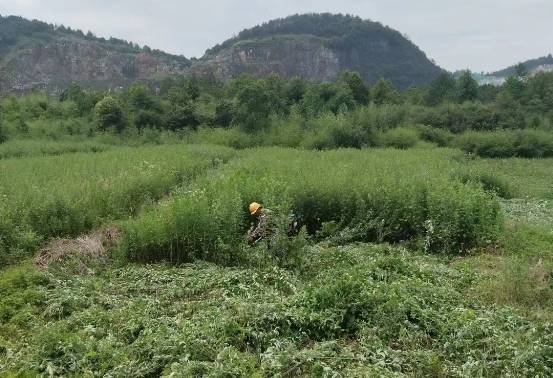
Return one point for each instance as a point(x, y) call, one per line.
point(456, 33)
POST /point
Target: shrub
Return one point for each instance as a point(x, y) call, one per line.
point(534, 143)
point(109, 114)
point(492, 182)
point(442, 138)
point(331, 131)
point(458, 118)
point(527, 143)
point(401, 137)
point(3, 134)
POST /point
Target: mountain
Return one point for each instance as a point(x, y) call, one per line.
point(34, 54)
point(533, 66)
point(316, 47)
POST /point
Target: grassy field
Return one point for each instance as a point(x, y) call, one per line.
point(419, 268)
point(70, 194)
point(529, 177)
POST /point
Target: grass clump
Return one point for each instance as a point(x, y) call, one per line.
point(492, 182)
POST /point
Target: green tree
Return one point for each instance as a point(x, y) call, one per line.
point(141, 97)
point(415, 96)
point(3, 133)
point(182, 117)
point(224, 113)
point(539, 93)
point(342, 99)
point(509, 111)
point(295, 90)
point(515, 87)
point(358, 89)
point(326, 97)
point(383, 92)
point(276, 94)
point(253, 105)
point(467, 87)
point(441, 89)
point(312, 102)
point(521, 71)
point(22, 126)
point(146, 119)
point(85, 102)
point(487, 93)
point(109, 114)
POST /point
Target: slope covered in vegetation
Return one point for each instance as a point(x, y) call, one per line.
point(36, 55)
point(336, 43)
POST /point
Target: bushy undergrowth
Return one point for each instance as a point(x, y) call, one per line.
point(26, 148)
point(356, 311)
point(69, 194)
point(442, 138)
point(500, 144)
point(401, 137)
point(381, 195)
point(493, 182)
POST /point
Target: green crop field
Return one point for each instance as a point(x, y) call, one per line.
point(419, 267)
point(69, 194)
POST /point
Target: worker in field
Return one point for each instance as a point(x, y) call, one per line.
point(264, 227)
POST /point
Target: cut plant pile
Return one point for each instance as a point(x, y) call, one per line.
point(355, 311)
point(87, 248)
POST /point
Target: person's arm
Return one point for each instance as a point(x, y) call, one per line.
point(259, 231)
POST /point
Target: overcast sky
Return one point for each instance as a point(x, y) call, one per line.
point(482, 35)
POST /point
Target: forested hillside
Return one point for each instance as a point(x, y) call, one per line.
point(319, 47)
point(545, 63)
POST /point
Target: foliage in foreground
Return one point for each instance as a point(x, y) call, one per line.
point(354, 311)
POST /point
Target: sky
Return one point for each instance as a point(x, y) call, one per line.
point(481, 35)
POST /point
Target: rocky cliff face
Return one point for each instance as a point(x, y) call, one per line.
point(316, 47)
point(54, 65)
point(315, 59)
point(287, 57)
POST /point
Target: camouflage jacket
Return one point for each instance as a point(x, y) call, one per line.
point(263, 228)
